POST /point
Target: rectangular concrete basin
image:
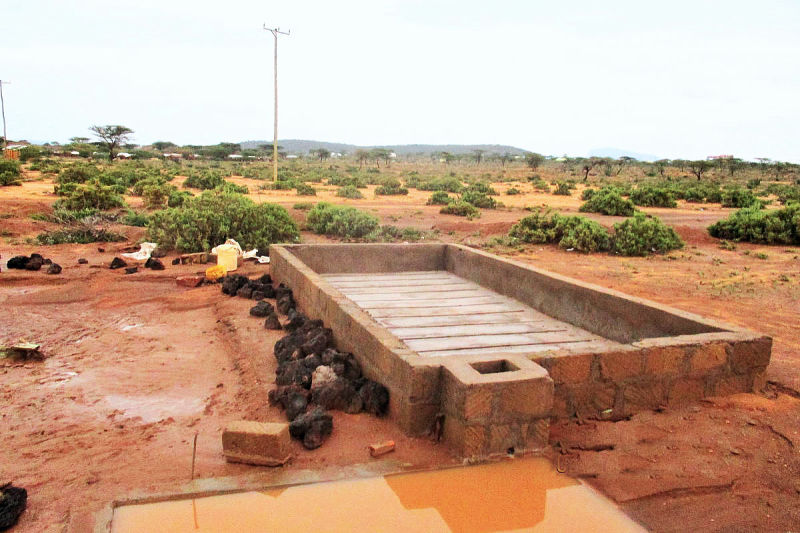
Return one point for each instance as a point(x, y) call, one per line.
point(484, 351)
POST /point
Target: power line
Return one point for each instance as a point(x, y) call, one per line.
point(275, 32)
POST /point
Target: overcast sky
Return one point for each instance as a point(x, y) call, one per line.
point(676, 79)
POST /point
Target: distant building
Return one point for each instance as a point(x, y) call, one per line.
point(235, 156)
point(173, 156)
point(712, 157)
point(124, 155)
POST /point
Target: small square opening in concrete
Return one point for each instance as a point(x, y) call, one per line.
point(494, 367)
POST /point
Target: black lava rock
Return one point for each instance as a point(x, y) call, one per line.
point(258, 295)
point(296, 320)
point(132, 270)
point(176, 261)
point(312, 428)
point(154, 264)
point(35, 262)
point(343, 363)
point(272, 322)
point(296, 405)
point(375, 397)
point(232, 283)
point(83, 261)
point(266, 279)
point(268, 290)
point(117, 263)
point(285, 303)
point(245, 292)
point(293, 373)
point(18, 262)
point(13, 501)
point(158, 253)
point(336, 394)
point(262, 309)
point(54, 268)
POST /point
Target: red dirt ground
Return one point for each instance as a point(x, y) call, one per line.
point(137, 366)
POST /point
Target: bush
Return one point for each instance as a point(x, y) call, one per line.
point(9, 172)
point(608, 201)
point(477, 194)
point(392, 187)
point(781, 226)
point(460, 208)
point(229, 187)
point(303, 206)
point(587, 194)
point(157, 196)
point(642, 235)
point(204, 180)
point(563, 189)
point(699, 193)
point(134, 218)
point(739, 198)
point(439, 198)
point(753, 183)
point(447, 184)
point(213, 217)
point(571, 232)
point(178, 198)
point(356, 181)
point(29, 152)
point(90, 195)
point(349, 191)
point(513, 191)
point(341, 221)
point(83, 235)
point(648, 196)
point(79, 173)
point(303, 189)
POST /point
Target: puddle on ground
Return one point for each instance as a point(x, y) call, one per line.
point(518, 495)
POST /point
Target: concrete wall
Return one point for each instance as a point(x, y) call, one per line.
point(670, 356)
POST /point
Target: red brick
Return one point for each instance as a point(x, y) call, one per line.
point(746, 355)
point(590, 400)
point(189, 281)
point(528, 398)
point(643, 396)
point(685, 390)
point(732, 384)
point(568, 368)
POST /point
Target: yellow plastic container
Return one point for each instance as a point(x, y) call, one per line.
point(228, 257)
point(215, 272)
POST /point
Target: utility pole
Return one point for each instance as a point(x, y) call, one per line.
point(275, 32)
point(3, 111)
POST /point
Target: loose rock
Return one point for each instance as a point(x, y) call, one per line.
point(54, 268)
point(272, 322)
point(312, 428)
point(117, 263)
point(262, 309)
point(13, 501)
point(18, 262)
point(375, 397)
point(154, 264)
point(83, 261)
point(132, 270)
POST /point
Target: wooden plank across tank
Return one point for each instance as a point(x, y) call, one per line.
point(436, 313)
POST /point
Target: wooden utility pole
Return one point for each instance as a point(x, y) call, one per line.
point(3, 111)
point(275, 32)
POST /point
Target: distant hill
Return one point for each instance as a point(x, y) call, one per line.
point(616, 153)
point(299, 146)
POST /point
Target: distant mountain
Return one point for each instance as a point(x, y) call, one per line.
point(616, 153)
point(299, 146)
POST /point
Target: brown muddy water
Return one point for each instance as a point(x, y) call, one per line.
point(520, 494)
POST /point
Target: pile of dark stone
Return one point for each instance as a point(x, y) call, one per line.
point(33, 262)
point(151, 263)
point(312, 376)
point(13, 501)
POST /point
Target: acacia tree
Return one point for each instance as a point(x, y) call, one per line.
point(321, 153)
point(361, 156)
point(590, 164)
point(533, 160)
point(112, 136)
point(661, 166)
point(699, 167)
point(505, 157)
point(478, 155)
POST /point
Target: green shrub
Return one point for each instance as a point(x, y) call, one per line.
point(349, 191)
point(178, 198)
point(513, 191)
point(46, 166)
point(448, 184)
point(204, 180)
point(29, 152)
point(134, 218)
point(781, 226)
point(280, 185)
point(482, 187)
point(229, 187)
point(356, 181)
point(213, 217)
point(303, 189)
point(587, 194)
point(563, 189)
point(391, 187)
point(341, 221)
point(78, 173)
point(82, 235)
point(90, 195)
point(460, 208)
point(139, 186)
point(698, 192)
point(9, 172)
point(571, 232)
point(439, 198)
point(303, 206)
point(643, 235)
point(753, 183)
point(608, 201)
point(156, 196)
point(739, 198)
point(477, 197)
point(648, 196)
